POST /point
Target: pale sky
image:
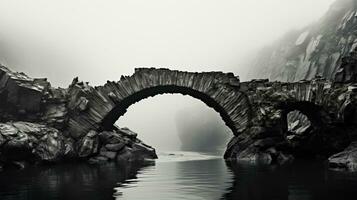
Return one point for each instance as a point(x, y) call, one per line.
point(99, 40)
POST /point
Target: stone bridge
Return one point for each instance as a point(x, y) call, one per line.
point(241, 105)
point(255, 111)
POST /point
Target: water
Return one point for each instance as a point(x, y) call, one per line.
point(178, 175)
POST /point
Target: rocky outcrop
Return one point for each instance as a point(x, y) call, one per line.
point(24, 141)
point(278, 136)
point(34, 127)
point(31, 143)
point(345, 160)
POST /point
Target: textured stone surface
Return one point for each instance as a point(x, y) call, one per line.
point(31, 141)
point(78, 122)
point(315, 50)
point(105, 104)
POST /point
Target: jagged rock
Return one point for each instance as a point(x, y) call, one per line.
point(8, 130)
point(51, 146)
point(20, 141)
point(21, 92)
point(31, 140)
point(88, 145)
point(143, 151)
point(346, 160)
point(347, 73)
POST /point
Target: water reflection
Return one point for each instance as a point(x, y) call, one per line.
point(302, 180)
point(67, 181)
point(179, 178)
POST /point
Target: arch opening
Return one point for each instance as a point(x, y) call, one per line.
point(303, 112)
point(297, 122)
point(173, 122)
point(306, 128)
point(121, 108)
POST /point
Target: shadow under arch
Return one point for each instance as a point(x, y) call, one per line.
point(316, 114)
point(121, 108)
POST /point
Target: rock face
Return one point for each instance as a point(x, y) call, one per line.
point(347, 72)
point(316, 50)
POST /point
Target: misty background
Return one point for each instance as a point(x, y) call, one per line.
point(101, 40)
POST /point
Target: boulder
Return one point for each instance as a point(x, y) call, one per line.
point(345, 160)
point(143, 151)
point(30, 141)
point(87, 146)
point(126, 155)
point(51, 147)
point(7, 130)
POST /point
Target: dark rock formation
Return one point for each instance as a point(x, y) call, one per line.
point(34, 127)
point(269, 140)
point(347, 73)
point(346, 160)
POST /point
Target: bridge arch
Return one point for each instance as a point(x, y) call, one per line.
point(314, 113)
point(103, 105)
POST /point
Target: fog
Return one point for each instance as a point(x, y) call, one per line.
point(99, 40)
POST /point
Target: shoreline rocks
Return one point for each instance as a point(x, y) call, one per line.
point(23, 143)
point(345, 160)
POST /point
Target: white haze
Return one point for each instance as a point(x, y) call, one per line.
point(99, 40)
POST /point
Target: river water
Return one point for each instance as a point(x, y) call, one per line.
point(178, 175)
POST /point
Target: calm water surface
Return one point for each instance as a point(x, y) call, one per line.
point(184, 175)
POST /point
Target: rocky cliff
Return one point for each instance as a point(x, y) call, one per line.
point(316, 50)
